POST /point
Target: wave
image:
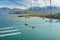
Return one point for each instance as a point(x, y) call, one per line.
point(9, 31)
point(10, 34)
point(6, 28)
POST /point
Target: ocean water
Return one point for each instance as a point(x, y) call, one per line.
point(43, 29)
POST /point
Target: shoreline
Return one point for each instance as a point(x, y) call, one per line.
point(53, 16)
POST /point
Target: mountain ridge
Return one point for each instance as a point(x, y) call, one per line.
point(35, 9)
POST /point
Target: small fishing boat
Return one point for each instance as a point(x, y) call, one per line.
point(26, 24)
point(33, 26)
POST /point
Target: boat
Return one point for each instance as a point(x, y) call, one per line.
point(26, 24)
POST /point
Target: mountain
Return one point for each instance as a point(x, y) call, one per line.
point(52, 9)
point(8, 10)
point(4, 10)
point(36, 10)
point(13, 11)
point(45, 9)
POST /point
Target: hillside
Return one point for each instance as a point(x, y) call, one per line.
point(39, 10)
point(6, 10)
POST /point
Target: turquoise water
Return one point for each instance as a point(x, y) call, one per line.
point(43, 29)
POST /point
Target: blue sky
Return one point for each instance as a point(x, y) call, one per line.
point(28, 3)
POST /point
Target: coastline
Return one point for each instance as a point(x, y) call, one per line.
point(51, 16)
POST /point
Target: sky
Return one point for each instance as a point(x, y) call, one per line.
point(23, 4)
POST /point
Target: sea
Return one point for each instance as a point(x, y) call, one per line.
point(37, 28)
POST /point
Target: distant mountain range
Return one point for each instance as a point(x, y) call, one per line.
point(8, 10)
point(4, 10)
point(45, 9)
point(35, 9)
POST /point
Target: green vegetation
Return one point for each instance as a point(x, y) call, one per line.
point(27, 13)
point(53, 16)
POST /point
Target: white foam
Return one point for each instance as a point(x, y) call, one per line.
point(10, 34)
point(8, 31)
point(6, 28)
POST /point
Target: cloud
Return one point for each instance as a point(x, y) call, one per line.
point(40, 3)
point(30, 3)
point(56, 2)
point(12, 6)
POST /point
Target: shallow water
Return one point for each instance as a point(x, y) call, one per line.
point(44, 30)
